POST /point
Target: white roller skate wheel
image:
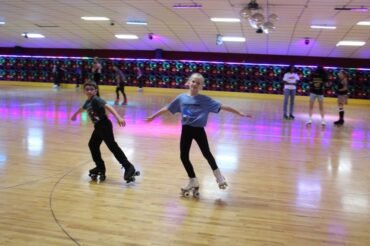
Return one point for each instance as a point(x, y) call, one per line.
point(186, 194)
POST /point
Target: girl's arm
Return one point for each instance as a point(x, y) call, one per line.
point(160, 112)
point(235, 111)
point(120, 120)
point(74, 116)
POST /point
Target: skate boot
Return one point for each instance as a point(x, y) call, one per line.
point(309, 122)
point(124, 101)
point(116, 101)
point(96, 173)
point(291, 117)
point(339, 122)
point(285, 117)
point(221, 181)
point(130, 174)
point(323, 122)
point(193, 186)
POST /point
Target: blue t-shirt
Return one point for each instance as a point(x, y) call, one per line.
point(194, 109)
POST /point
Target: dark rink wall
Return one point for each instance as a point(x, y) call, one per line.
point(251, 77)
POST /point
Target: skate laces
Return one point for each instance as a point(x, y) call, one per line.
point(193, 182)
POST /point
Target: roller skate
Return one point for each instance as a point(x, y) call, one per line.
point(193, 186)
point(285, 117)
point(130, 174)
point(291, 117)
point(221, 181)
point(96, 173)
point(309, 122)
point(339, 122)
point(116, 102)
point(124, 102)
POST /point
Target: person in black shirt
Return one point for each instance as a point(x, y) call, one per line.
point(58, 73)
point(342, 92)
point(319, 78)
point(139, 77)
point(96, 70)
point(103, 131)
point(120, 80)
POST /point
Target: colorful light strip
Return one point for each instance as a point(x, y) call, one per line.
point(162, 60)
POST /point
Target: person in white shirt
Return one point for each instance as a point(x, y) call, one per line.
point(290, 80)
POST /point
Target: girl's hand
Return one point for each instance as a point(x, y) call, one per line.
point(149, 119)
point(121, 122)
point(245, 115)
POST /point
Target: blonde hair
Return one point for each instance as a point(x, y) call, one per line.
point(196, 76)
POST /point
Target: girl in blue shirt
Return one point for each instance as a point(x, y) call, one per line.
point(194, 109)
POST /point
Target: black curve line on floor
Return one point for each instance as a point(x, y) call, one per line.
point(34, 181)
point(28, 182)
point(51, 205)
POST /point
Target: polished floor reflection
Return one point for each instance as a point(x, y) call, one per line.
point(289, 184)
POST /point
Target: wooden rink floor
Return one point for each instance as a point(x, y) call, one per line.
point(288, 184)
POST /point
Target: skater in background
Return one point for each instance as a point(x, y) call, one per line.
point(342, 93)
point(120, 81)
point(58, 74)
point(96, 70)
point(290, 80)
point(194, 109)
point(78, 73)
point(318, 80)
point(103, 131)
point(139, 77)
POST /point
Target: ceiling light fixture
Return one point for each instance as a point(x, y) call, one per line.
point(364, 23)
point(252, 13)
point(233, 39)
point(2, 22)
point(187, 6)
point(95, 18)
point(140, 23)
point(221, 39)
point(362, 9)
point(351, 43)
point(32, 35)
point(323, 27)
point(225, 20)
point(356, 9)
point(126, 36)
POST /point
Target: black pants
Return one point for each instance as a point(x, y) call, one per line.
point(189, 133)
point(57, 79)
point(103, 131)
point(121, 88)
point(140, 82)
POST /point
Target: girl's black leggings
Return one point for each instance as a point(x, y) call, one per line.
point(188, 133)
point(120, 88)
point(103, 131)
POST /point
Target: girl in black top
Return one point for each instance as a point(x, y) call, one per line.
point(96, 70)
point(342, 92)
point(120, 80)
point(103, 131)
point(319, 78)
